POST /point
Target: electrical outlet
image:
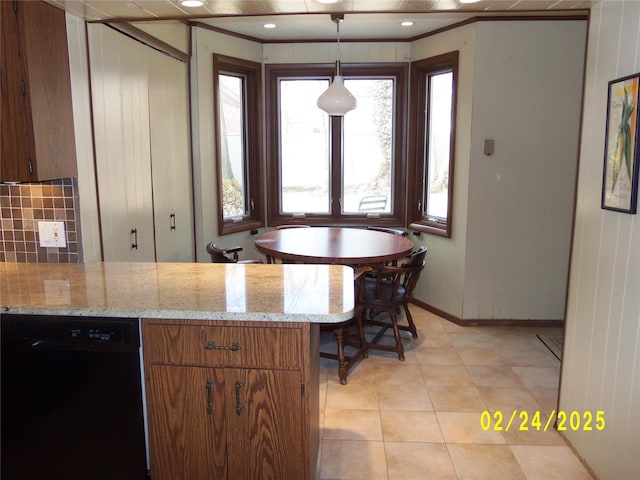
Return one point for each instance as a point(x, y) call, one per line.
point(52, 234)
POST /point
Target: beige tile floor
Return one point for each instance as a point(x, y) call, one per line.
point(420, 419)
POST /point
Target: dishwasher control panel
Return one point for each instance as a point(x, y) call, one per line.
point(39, 331)
point(96, 334)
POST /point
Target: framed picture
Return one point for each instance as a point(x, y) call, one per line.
point(620, 175)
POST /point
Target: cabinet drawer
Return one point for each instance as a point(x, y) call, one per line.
point(223, 346)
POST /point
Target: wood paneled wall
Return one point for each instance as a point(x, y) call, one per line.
point(601, 364)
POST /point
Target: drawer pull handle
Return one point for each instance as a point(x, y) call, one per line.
point(210, 405)
point(239, 405)
point(234, 347)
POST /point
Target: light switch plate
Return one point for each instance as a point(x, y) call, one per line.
point(52, 234)
point(489, 146)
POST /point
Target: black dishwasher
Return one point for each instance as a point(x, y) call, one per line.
point(71, 399)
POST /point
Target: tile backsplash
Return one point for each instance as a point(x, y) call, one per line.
point(22, 206)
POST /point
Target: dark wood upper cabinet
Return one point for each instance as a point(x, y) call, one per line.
point(37, 118)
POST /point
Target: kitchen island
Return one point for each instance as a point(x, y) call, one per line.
point(230, 354)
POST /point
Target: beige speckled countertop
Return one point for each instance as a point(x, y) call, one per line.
point(290, 293)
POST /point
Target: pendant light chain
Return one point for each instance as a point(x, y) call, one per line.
point(339, 56)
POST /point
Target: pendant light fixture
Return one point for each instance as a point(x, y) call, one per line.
point(192, 3)
point(337, 100)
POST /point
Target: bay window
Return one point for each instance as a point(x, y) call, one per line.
point(336, 170)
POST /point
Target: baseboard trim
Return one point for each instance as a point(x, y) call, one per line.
point(510, 322)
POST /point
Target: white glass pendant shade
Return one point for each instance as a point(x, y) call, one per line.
point(192, 3)
point(337, 100)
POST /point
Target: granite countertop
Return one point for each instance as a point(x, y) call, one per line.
point(202, 291)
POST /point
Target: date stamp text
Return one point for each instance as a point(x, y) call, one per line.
point(523, 420)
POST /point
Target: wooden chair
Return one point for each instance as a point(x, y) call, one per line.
point(342, 335)
point(226, 255)
point(388, 288)
point(393, 231)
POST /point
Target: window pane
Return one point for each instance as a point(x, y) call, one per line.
point(368, 146)
point(439, 144)
point(304, 147)
point(232, 139)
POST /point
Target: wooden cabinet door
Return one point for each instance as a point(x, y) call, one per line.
point(186, 423)
point(264, 424)
point(38, 139)
point(220, 412)
point(15, 106)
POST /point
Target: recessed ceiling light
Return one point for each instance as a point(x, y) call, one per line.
point(406, 23)
point(327, 2)
point(269, 25)
point(192, 3)
point(468, 1)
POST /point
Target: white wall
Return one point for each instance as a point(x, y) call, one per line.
point(205, 44)
point(601, 364)
point(442, 282)
point(527, 97)
point(328, 52)
point(519, 84)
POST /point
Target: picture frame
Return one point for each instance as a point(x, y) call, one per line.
point(621, 154)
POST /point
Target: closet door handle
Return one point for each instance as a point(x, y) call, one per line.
point(172, 221)
point(134, 232)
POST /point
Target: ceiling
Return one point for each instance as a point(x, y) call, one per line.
point(310, 19)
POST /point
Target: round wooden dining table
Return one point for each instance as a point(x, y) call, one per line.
point(333, 245)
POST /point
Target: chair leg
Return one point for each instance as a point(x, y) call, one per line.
point(412, 326)
point(363, 340)
point(396, 334)
point(342, 362)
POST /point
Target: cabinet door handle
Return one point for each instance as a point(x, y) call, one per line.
point(210, 405)
point(134, 232)
point(239, 405)
point(234, 347)
point(172, 221)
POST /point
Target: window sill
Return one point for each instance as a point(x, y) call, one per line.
point(433, 229)
point(247, 224)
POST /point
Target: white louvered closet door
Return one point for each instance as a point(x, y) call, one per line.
point(171, 158)
point(119, 89)
point(140, 103)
